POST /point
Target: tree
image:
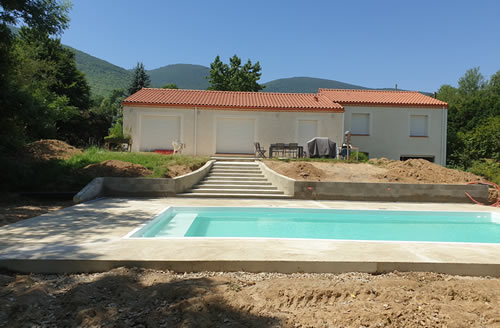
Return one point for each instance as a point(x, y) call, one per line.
point(473, 119)
point(234, 77)
point(170, 86)
point(494, 84)
point(49, 16)
point(17, 103)
point(140, 80)
point(471, 82)
point(46, 73)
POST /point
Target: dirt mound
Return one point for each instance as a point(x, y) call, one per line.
point(178, 170)
point(50, 149)
point(382, 161)
point(422, 171)
point(154, 298)
point(115, 168)
point(303, 171)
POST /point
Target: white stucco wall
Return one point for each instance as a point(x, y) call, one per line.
point(389, 134)
point(270, 127)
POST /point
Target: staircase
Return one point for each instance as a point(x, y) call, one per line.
point(235, 178)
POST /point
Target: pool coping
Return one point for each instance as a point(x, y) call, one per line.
point(70, 241)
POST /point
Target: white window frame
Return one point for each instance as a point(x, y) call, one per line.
point(369, 124)
point(426, 128)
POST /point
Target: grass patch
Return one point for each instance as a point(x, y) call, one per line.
point(155, 162)
point(67, 175)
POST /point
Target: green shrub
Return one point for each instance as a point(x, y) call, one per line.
point(362, 157)
point(488, 168)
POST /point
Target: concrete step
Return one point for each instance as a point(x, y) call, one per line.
point(234, 171)
point(234, 159)
point(234, 178)
point(236, 167)
point(223, 195)
point(236, 164)
point(239, 174)
point(238, 182)
point(232, 186)
point(235, 191)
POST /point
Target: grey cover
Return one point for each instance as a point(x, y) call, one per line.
point(321, 147)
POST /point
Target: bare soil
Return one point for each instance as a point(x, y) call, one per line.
point(50, 149)
point(377, 170)
point(116, 168)
point(150, 298)
point(178, 170)
point(15, 208)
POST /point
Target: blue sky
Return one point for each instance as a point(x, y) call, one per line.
point(419, 45)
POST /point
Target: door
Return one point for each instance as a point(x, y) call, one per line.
point(306, 130)
point(158, 132)
point(235, 136)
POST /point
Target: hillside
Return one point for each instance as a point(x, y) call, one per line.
point(104, 77)
point(185, 76)
point(306, 84)
point(101, 75)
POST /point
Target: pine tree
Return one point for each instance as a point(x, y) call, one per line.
point(234, 77)
point(141, 79)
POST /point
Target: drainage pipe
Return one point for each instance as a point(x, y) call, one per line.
point(195, 131)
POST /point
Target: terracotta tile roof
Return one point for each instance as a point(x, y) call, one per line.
point(382, 98)
point(265, 101)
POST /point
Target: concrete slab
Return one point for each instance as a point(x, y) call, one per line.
point(90, 237)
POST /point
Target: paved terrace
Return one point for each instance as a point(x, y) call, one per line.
point(90, 237)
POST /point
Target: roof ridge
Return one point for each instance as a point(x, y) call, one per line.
point(240, 92)
point(369, 90)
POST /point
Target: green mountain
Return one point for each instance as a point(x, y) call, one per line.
point(101, 75)
point(306, 84)
point(104, 77)
point(185, 76)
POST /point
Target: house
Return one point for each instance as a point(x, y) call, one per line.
point(392, 124)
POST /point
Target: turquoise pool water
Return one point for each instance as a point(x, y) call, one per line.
point(475, 227)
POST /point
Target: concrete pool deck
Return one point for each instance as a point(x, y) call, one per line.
point(89, 237)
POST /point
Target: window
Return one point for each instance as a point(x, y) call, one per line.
point(360, 124)
point(419, 125)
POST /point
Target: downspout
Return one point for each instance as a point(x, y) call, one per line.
point(195, 131)
point(342, 133)
point(445, 123)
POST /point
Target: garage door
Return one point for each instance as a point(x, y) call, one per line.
point(307, 129)
point(158, 132)
point(235, 136)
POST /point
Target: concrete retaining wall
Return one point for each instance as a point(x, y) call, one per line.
point(91, 191)
point(390, 192)
point(286, 184)
point(186, 181)
point(141, 187)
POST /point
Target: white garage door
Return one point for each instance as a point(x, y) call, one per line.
point(158, 132)
point(307, 129)
point(235, 136)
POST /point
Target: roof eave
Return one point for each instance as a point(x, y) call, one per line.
point(242, 108)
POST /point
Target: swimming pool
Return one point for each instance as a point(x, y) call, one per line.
point(252, 222)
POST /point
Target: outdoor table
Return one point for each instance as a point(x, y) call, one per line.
point(275, 148)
